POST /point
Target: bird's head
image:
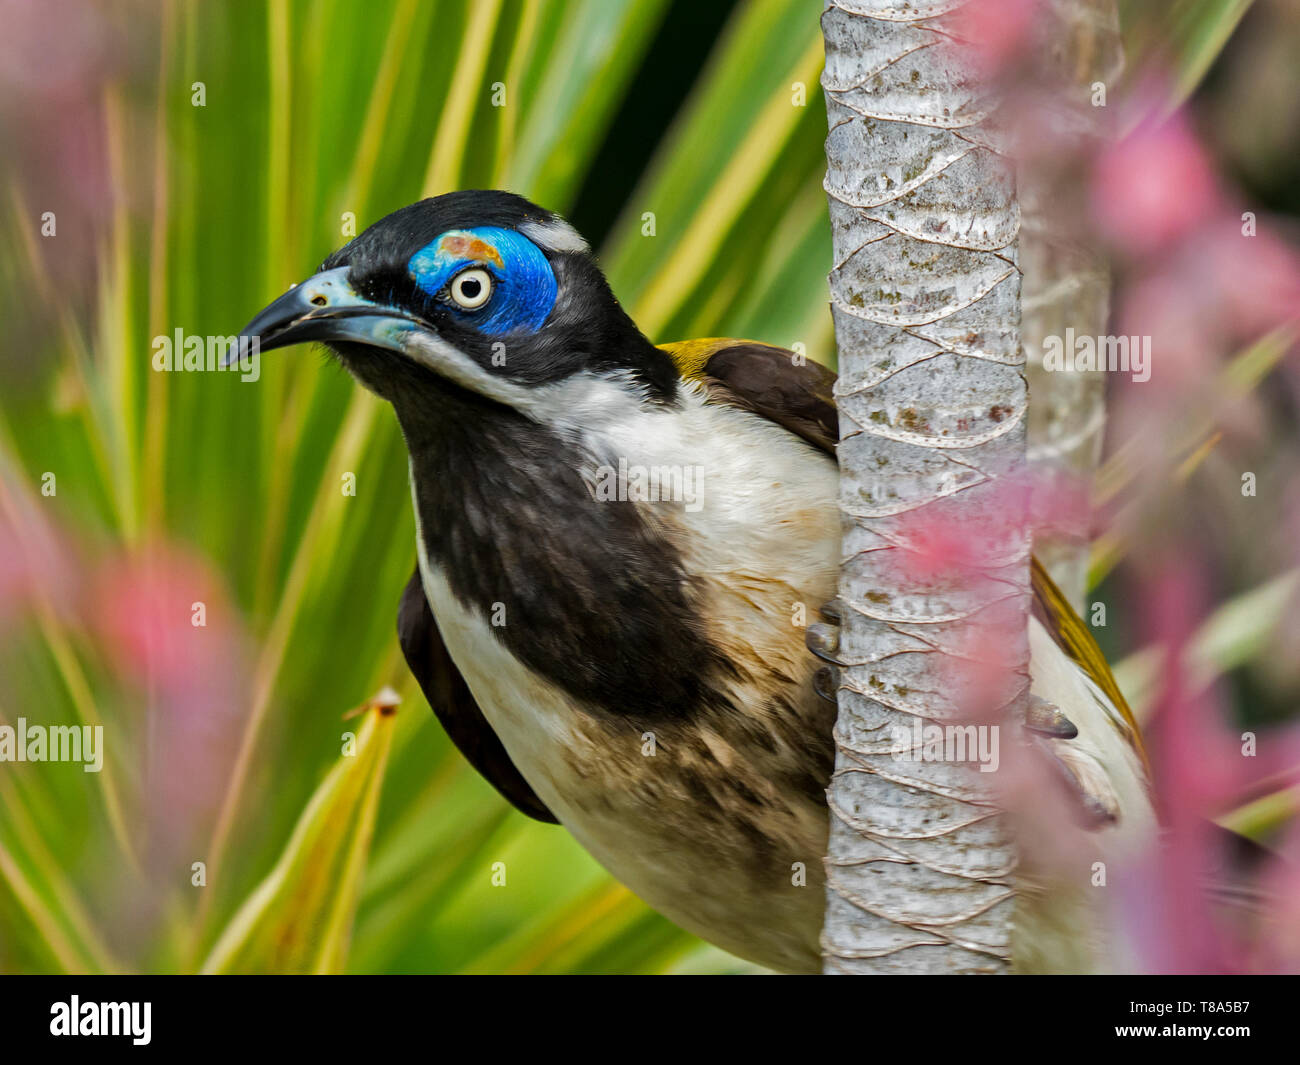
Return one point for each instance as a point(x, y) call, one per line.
point(480, 291)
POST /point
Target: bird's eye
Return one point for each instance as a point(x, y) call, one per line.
point(470, 289)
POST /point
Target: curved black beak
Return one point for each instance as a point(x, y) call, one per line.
point(326, 307)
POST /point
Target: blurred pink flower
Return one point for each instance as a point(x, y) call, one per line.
point(1201, 303)
point(52, 48)
point(147, 607)
point(1154, 186)
point(175, 640)
point(965, 535)
point(959, 538)
point(161, 622)
point(998, 29)
point(1060, 503)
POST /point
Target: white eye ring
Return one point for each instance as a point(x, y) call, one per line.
point(470, 289)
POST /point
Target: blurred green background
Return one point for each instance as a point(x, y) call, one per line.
point(224, 740)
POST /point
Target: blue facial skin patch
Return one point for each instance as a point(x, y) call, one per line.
point(523, 288)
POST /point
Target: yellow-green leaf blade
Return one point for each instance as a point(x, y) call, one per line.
point(299, 918)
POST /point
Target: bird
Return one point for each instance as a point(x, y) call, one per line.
point(610, 535)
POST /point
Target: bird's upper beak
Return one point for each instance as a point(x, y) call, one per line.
point(327, 307)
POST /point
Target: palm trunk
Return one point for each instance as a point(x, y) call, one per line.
point(925, 292)
point(1066, 281)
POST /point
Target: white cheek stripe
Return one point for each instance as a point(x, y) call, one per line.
point(437, 355)
point(576, 405)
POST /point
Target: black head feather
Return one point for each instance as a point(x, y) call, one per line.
point(586, 330)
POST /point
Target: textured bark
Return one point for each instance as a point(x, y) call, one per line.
point(925, 295)
point(1066, 280)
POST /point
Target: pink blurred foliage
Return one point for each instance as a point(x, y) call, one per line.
point(954, 540)
point(1201, 271)
point(67, 71)
point(143, 612)
point(937, 546)
point(1209, 297)
point(36, 560)
point(1171, 917)
point(1060, 503)
point(51, 47)
point(1203, 279)
point(191, 677)
point(1199, 274)
point(62, 53)
point(959, 547)
point(1200, 770)
point(998, 29)
point(1202, 286)
point(1255, 281)
point(1154, 186)
point(181, 687)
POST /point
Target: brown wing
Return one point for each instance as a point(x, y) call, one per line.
point(455, 707)
point(796, 394)
point(801, 398)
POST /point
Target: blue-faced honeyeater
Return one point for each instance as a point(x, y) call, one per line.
point(622, 664)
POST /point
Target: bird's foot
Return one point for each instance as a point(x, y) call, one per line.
point(833, 611)
point(823, 640)
point(1047, 720)
point(826, 683)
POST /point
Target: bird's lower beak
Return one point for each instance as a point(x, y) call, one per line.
point(327, 307)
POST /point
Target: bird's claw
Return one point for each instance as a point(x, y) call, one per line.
point(1047, 720)
point(824, 642)
point(826, 683)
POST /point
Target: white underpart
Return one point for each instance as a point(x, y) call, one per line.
point(766, 535)
point(1100, 753)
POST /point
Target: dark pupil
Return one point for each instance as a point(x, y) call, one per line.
point(469, 288)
